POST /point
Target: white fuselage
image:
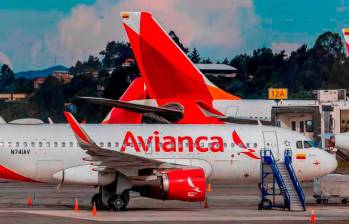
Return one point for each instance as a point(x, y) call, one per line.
point(39, 151)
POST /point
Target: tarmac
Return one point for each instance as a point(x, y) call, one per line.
point(233, 204)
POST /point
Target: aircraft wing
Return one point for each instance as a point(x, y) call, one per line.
point(168, 113)
point(109, 159)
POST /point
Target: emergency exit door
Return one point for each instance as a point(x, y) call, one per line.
point(271, 142)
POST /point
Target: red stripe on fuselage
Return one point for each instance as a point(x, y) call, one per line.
point(8, 174)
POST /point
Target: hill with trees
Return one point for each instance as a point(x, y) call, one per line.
point(322, 66)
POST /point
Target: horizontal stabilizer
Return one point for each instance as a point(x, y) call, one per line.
point(168, 113)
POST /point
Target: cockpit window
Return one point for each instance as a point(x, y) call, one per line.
point(299, 145)
point(308, 144)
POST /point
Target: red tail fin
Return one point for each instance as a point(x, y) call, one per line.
point(136, 91)
point(168, 72)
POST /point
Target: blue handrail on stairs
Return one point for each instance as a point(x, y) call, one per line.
point(267, 157)
point(295, 182)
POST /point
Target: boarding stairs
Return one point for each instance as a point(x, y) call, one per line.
point(284, 177)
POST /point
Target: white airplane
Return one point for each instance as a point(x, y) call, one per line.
point(168, 162)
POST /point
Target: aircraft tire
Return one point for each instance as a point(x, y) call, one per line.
point(119, 202)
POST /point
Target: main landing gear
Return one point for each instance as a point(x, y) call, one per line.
point(116, 202)
point(114, 196)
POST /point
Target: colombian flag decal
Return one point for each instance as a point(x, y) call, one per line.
point(301, 156)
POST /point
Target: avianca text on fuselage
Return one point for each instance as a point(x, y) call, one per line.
point(169, 143)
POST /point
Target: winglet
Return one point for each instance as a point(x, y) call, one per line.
point(80, 134)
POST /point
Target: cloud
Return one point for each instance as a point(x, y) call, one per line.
point(285, 46)
point(36, 49)
point(4, 59)
point(87, 29)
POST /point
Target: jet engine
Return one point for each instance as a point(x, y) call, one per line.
point(83, 175)
point(178, 184)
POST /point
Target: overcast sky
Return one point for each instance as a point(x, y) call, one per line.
point(36, 33)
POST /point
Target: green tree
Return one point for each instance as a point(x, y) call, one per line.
point(206, 61)
point(7, 76)
point(115, 53)
point(50, 98)
point(195, 56)
point(175, 38)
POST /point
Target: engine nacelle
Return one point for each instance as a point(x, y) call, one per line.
point(179, 184)
point(83, 175)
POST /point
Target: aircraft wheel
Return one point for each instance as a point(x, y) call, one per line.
point(97, 199)
point(119, 202)
point(265, 205)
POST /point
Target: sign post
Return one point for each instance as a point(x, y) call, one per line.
point(277, 94)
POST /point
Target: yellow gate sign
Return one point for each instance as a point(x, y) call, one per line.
point(277, 93)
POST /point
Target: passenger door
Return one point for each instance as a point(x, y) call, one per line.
point(271, 142)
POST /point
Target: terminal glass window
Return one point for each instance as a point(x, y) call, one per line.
point(309, 126)
point(301, 126)
point(299, 145)
point(293, 125)
point(308, 144)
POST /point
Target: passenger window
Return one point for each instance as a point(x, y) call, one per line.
point(17, 144)
point(101, 144)
point(109, 145)
point(2, 144)
point(32, 144)
point(71, 144)
point(232, 145)
point(25, 144)
point(255, 145)
point(225, 145)
point(55, 144)
point(9, 144)
point(40, 144)
point(308, 144)
point(248, 145)
point(299, 144)
point(48, 144)
point(117, 144)
point(63, 144)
